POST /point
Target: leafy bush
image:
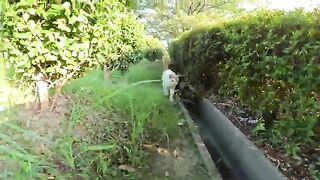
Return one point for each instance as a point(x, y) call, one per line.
point(196, 55)
point(154, 49)
point(181, 21)
point(62, 38)
point(277, 69)
point(267, 60)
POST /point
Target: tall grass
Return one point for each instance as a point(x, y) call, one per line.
point(144, 104)
point(137, 109)
point(17, 160)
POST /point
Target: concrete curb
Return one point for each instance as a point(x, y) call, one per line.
point(205, 155)
point(238, 153)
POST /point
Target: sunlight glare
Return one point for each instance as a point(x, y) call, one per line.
point(282, 4)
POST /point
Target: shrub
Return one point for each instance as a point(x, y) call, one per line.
point(267, 60)
point(181, 21)
point(196, 55)
point(154, 49)
point(62, 38)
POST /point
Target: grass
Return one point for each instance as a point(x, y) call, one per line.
point(3, 85)
point(104, 125)
point(143, 104)
point(140, 101)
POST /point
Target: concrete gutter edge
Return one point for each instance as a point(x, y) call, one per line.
point(236, 150)
point(205, 155)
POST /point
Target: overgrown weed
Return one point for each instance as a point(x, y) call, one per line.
point(115, 129)
point(145, 106)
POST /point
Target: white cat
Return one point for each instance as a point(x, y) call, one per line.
point(169, 80)
point(169, 83)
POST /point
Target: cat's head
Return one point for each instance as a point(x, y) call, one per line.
point(174, 78)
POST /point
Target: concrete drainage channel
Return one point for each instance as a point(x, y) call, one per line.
point(206, 158)
point(233, 154)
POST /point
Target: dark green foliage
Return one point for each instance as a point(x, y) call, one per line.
point(153, 54)
point(267, 60)
point(153, 50)
point(198, 61)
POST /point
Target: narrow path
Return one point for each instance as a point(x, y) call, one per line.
point(148, 18)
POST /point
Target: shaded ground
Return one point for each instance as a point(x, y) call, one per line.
point(245, 121)
point(180, 161)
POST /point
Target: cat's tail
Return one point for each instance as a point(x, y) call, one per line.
point(165, 60)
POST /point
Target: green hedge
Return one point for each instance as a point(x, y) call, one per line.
point(61, 38)
point(153, 50)
point(268, 61)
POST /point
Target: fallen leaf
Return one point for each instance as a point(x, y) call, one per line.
point(148, 146)
point(176, 152)
point(163, 151)
point(127, 168)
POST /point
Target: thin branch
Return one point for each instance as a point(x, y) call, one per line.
point(195, 9)
point(63, 80)
point(190, 8)
point(60, 84)
point(203, 5)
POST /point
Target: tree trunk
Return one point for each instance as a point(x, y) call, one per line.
point(106, 73)
point(42, 91)
point(57, 94)
point(43, 97)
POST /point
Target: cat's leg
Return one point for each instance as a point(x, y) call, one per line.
point(165, 90)
point(171, 94)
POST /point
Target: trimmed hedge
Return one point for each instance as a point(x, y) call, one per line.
point(154, 49)
point(267, 60)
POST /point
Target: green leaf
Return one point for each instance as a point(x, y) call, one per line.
point(54, 11)
point(25, 3)
point(26, 16)
point(73, 20)
point(32, 52)
point(82, 18)
point(18, 155)
point(26, 35)
point(99, 147)
point(40, 11)
point(32, 11)
point(21, 26)
point(50, 69)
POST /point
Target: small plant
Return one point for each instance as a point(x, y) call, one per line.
point(260, 127)
point(313, 171)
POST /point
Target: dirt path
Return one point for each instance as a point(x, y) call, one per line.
point(181, 161)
